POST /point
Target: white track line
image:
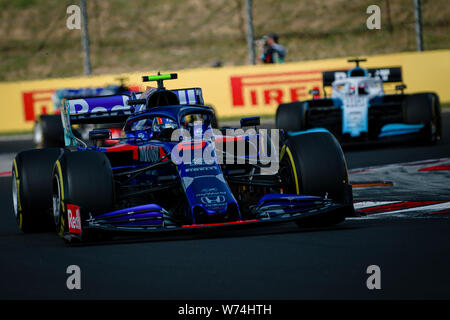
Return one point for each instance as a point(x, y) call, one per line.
point(431, 207)
point(390, 165)
point(405, 212)
point(19, 137)
point(369, 204)
point(6, 160)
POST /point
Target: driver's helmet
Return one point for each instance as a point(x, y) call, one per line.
point(362, 88)
point(156, 124)
point(159, 124)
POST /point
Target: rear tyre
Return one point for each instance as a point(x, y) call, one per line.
point(316, 166)
point(48, 132)
point(438, 117)
point(32, 189)
point(83, 179)
point(291, 116)
point(424, 108)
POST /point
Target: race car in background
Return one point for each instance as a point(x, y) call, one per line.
point(359, 110)
point(85, 190)
point(48, 129)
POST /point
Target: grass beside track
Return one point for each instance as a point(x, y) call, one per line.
point(127, 36)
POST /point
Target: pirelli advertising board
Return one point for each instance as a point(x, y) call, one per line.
point(236, 91)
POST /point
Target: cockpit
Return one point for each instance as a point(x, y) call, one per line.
point(161, 127)
point(357, 87)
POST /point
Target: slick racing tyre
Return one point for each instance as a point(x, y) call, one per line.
point(82, 185)
point(314, 164)
point(291, 116)
point(424, 108)
point(32, 189)
point(438, 117)
point(48, 132)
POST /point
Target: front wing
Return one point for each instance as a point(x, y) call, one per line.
point(385, 124)
point(158, 222)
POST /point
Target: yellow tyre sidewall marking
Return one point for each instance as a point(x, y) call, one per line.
point(19, 205)
point(286, 150)
point(61, 217)
point(283, 151)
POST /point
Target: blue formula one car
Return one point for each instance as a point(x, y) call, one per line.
point(165, 173)
point(359, 110)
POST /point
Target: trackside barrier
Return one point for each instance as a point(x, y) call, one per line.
point(233, 91)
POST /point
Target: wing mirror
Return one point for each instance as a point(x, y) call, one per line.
point(250, 122)
point(96, 135)
point(401, 88)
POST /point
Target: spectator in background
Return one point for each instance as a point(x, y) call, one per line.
point(271, 50)
point(216, 64)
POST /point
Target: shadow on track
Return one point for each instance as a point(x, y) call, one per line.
point(237, 232)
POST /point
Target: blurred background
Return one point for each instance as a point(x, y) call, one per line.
point(128, 36)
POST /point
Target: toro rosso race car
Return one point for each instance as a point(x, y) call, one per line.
point(140, 185)
point(359, 110)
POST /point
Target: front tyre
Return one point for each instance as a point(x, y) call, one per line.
point(82, 185)
point(314, 164)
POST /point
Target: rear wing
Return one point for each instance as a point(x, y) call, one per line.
point(61, 94)
point(112, 109)
point(388, 74)
point(102, 109)
point(93, 110)
point(189, 96)
point(184, 96)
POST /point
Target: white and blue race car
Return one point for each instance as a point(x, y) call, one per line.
point(359, 110)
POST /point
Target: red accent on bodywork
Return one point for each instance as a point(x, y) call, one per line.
point(125, 147)
point(190, 145)
point(398, 206)
point(74, 218)
point(230, 139)
point(6, 173)
point(162, 153)
point(115, 133)
point(128, 147)
point(218, 224)
point(436, 168)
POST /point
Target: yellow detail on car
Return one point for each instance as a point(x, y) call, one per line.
point(291, 159)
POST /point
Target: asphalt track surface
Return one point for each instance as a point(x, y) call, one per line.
point(273, 262)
